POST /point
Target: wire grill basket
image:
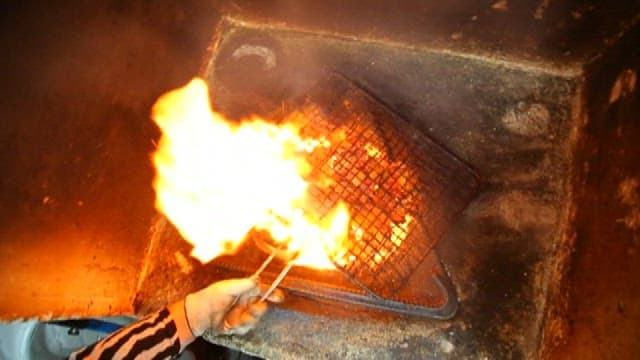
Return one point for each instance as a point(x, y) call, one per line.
point(403, 190)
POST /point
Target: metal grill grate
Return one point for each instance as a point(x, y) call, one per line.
point(402, 189)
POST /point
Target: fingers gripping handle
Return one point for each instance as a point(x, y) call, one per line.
point(227, 325)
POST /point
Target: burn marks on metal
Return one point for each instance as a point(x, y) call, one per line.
point(528, 119)
point(512, 124)
point(505, 298)
point(249, 71)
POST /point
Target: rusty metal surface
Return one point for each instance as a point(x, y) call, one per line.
point(600, 302)
point(551, 35)
point(511, 124)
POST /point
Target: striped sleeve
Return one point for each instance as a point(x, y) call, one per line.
point(152, 337)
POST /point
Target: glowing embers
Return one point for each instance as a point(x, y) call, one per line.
point(378, 182)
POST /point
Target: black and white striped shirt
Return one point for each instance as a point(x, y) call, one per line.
point(152, 337)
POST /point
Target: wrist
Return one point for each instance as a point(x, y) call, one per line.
point(195, 315)
point(186, 335)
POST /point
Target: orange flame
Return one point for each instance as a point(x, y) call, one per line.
point(216, 181)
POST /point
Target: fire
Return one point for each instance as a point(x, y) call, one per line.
point(217, 180)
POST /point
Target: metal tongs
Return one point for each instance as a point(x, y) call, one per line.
point(274, 252)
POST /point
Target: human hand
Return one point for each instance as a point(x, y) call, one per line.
point(227, 307)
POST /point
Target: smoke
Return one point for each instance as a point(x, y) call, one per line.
point(79, 80)
point(129, 51)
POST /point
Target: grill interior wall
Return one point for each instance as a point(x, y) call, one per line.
point(76, 201)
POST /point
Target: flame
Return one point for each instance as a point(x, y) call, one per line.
point(217, 180)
